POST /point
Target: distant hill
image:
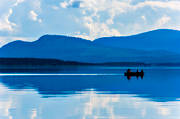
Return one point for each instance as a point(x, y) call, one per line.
point(159, 46)
point(161, 39)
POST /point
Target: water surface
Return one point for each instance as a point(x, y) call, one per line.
point(90, 93)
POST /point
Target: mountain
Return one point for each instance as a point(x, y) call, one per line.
point(161, 39)
point(137, 48)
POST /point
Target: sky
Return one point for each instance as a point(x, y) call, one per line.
point(90, 19)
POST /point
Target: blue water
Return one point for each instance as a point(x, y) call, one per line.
point(90, 93)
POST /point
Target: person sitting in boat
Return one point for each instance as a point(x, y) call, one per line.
point(142, 72)
point(128, 71)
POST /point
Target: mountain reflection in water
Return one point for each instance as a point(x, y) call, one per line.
point(157, 86)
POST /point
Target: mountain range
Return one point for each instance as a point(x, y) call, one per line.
point(158, 46)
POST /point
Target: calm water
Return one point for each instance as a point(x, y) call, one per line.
point(90, 93)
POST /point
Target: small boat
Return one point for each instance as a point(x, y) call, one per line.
point(137, 73)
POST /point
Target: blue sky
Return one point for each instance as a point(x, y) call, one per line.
point(90, 19)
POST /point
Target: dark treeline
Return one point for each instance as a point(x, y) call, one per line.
point(36, 61)
point(55, 62)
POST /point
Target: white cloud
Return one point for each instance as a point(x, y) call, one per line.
point(8, 7)
point(144, 18)
point(55, 7)
point(36, 5)
point(163, 111)
point(11, 21)
point(98, 26)
point(97, 18)
point(71, 3)
point(162, 21)
point(97, 29)
point(81, 35)
point(18, 2)
point(34, 16)
point(6, 39)
point(64, 4)
point(5, 24)
point(174, 5)
point(34, 114)
point(4, 108)
point(92, 22)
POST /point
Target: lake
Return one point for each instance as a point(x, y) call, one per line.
point(90, 92)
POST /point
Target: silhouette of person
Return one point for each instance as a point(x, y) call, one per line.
point(128, 71)
point(142, 74)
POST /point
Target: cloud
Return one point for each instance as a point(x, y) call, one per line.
point(163, 111)
point(98, 29)
point(18, 2)
point(36, 5)
point(55, 7)
point(71, 4)
point(6, 39)
point(99, 16)
point(4, 108)
point(34, 16)
point(174, 5)
point(5, 24)
point(162, 21)
point(91, 18)
point(144, 18)
point(34, 114)
point(7, 8)
point(81, 35)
